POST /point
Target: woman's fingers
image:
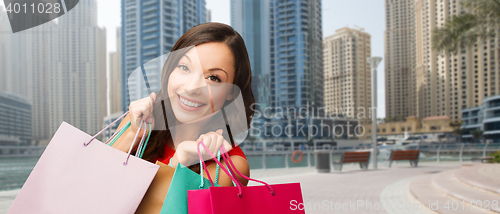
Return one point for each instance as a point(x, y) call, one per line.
point(142, 110)
point(227, 146)
point(148, 111)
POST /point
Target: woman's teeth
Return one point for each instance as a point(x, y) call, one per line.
point(189, 103)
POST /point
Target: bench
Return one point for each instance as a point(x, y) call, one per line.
point(352, 157)
point(411, 155)
point(481, 159)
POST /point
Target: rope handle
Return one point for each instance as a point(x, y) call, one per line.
point(121, 132)
point(228, 160)
point(121, 117)
point(238, 184)
point(132, 144)
point(202, 182)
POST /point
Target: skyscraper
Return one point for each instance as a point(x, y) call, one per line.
point(78, 79)
point(60, 68)
point(209, 15)
point(149, 30)
point(251, 20)
point(27, 62)
point(115, 77)
point(296, 53)
point(399, 40)
point(448, 83)
point(346, 73)
point(284, 42)
point(4, 28)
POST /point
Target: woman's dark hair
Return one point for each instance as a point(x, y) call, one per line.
point(203, 33)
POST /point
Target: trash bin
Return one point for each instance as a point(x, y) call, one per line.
point(323, 160)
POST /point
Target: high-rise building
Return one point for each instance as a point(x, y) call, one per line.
point(296, 49)
point(15, 120)
point(4, 28)
point(78, 80)
point(115, 77)
point(346, 73)
point(448, 83)
point(60, 69)
point(399, 40)
point(209, 15)
point(149, 30)
point(28, 59)
point(251, 20)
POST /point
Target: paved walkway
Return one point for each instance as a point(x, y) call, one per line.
point(490, 171)
point(358, 191)
point(350, 191)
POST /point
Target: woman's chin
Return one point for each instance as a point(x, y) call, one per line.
point(184, 118)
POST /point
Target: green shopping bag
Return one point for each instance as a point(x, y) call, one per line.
point(185, 179)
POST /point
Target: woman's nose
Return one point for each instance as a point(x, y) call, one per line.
point(195, 84)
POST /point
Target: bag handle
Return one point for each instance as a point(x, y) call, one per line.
point(225, 155)
point(219, 164)
point(133, 142)
point(202, 182)
point(85, 144)
point(121, 117)
point(118, 133)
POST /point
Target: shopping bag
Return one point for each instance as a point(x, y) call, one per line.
point(153, 200)
point(185, 179)
point(78, 174)
point(276, 198)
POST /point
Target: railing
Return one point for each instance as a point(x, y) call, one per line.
point(21, 151)
point(15, 168)
point(278, 156)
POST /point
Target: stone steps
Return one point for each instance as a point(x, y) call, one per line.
point(469, 174)
point(449, 185)
point(459, 191)
point(423, 190)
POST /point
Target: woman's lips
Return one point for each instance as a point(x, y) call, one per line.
point(188, 104)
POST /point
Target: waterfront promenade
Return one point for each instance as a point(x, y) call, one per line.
point(400, 189)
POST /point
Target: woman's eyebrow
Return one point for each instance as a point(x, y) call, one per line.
point(215, 69)
point(188, 57)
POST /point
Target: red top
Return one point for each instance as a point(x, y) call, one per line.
point(169, 153)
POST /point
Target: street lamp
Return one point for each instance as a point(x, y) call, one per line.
point(374, 61)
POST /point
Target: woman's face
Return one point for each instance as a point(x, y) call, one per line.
point(205, 69)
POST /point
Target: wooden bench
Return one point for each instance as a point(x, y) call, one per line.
point(352, 157)
point(481, 159)
point(411, 155)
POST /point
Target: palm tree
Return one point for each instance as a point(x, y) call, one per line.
point(466, 29)
point(457, 130)
point(476, 133)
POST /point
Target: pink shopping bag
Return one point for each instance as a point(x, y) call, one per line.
point(273, 199)
point(77, 174)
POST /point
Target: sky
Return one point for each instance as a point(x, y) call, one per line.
point(367, 14)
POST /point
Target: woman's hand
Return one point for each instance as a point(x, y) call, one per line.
point(187, 151)
point(141, 109)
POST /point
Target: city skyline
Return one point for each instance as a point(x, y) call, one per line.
point(148, 33)
point(342, 15)
point(60, 68)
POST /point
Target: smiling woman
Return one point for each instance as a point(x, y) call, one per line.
point(209, 69)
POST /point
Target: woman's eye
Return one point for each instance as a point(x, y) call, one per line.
point(183, 68)
point(214, 78)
